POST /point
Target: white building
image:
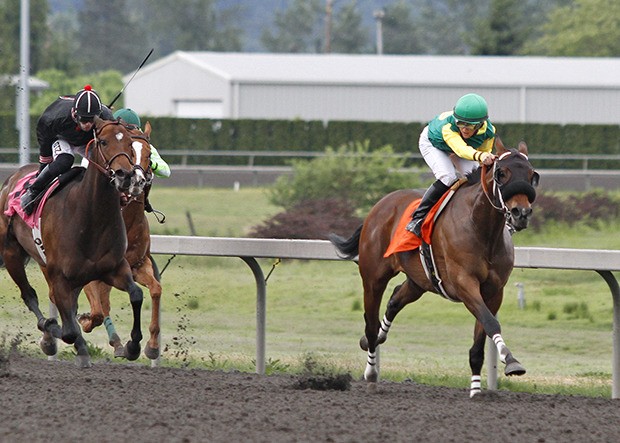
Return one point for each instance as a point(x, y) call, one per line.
point(375, 87)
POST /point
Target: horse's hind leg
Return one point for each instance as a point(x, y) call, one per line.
point(14, 262)
point(373, 293)
point(476, 359)
point(403, 294)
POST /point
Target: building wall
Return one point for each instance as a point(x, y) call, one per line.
point(184, 89)
point(179, 89)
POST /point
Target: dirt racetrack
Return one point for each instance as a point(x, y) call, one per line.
point(43, 401)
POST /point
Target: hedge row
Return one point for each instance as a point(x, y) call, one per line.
point(291, 135)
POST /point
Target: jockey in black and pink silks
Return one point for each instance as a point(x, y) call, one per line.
point(65, 127)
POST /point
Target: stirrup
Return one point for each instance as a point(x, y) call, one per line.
point(413, 225)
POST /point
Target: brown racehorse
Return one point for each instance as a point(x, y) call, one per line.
point(139, 257)
point(472, 249)
point(84, 238)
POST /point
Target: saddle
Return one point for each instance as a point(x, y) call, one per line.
point(403, 240)
point(14, 205)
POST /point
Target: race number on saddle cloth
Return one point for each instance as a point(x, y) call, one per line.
point(403, 240)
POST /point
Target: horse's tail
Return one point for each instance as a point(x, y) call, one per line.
point(347, 248)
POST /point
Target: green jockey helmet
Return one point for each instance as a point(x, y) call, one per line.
point(129, 116)
point(471, 108)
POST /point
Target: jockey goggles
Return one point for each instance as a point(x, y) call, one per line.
point(85, 119)
point(466, 125)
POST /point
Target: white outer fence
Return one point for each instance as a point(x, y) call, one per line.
point(604, 262)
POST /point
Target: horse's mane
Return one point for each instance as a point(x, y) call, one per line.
point(474, 176)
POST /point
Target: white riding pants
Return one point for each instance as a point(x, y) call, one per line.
point(61, 146)
point(446, 166)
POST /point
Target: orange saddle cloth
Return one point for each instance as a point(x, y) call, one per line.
point(403, 240)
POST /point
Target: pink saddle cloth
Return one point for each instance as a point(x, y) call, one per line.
point(14, 205)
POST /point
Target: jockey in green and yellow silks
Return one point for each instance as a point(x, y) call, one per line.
point(465, 131)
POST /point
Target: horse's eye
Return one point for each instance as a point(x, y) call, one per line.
point(104, 143)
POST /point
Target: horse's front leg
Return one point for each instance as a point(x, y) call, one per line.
point(123, 281)
point(66, 303)
point(98, 294)
point(145, 275)
point(485, 314)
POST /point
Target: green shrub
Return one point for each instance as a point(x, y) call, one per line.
point(351, 173)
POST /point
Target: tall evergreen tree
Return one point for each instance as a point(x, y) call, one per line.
point(585, 28)
point(348, 35)
point(10, 20)
point(297, 29)
point(108, 37)
point(399, 31)
point(502, 32)
point(190, 25)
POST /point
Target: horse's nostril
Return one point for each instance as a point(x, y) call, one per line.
point(120, 173)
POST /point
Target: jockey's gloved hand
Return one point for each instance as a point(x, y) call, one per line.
point(486, 158)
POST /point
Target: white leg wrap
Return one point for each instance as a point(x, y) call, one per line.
point(475, 387)
point(501, 347)
point(383, 329)
point(371, 367)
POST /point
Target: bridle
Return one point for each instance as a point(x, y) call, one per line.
point(106, 169)
point(496, 194)
point(148, 173)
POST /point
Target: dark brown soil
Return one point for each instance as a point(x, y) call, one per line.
point(43, 401)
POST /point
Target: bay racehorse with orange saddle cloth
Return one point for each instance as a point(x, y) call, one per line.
point(472, 254)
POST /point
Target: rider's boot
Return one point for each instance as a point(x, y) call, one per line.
point(431, 196)
point(28, 197)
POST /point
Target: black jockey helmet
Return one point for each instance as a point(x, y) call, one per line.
point(87, 104)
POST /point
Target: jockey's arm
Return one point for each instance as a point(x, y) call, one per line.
point(158, 165)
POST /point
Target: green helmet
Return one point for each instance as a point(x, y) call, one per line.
point(129, 116)
point(471, 108)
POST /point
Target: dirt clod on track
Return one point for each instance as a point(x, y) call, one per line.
point(43, 401)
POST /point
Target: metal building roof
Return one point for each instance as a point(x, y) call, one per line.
point(348, 69)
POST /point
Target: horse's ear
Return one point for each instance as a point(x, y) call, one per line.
point(147, 129)
point(499, 146)
point(522, 147)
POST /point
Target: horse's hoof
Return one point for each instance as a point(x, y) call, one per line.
point(85, 322)
point(514, 368)
point(371, 387)
point(364, 343)
point(132, 350)
point(151, 353)
point(82, 361)
point(119, 352)
point(49, 347)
